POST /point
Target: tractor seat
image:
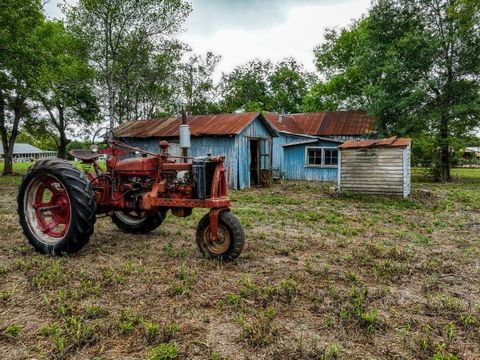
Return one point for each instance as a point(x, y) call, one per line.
point(85, 155)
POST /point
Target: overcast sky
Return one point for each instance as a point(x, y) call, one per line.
point(241, 30)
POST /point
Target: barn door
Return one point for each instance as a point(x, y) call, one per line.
point(265, 162)
point(265, 155)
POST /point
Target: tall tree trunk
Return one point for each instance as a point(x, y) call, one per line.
point(9, 142)
point(444, 174)
point(111, 105)
point(62, 146)
point(444, 124)
point(7, 161)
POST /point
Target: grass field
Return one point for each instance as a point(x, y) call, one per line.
point(354, 277)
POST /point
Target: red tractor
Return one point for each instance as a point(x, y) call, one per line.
point(58, 204)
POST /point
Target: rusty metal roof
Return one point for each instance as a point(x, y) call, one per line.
point(330, 123)
point(283, 123)
point(364, 144)
point(220, 125)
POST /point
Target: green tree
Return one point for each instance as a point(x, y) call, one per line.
point(246, 88)
point(414, 65)
point(119, 32)
point(261, 85)
point(149, 88)
point(64, 85)
point(196, 85)
point(18, 67)
point(289, 84)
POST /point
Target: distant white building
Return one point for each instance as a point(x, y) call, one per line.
point(472, 153)
point(27, 152)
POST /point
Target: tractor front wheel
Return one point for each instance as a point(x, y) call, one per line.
point(56, 206)
point(140, 222)
point(230, 237)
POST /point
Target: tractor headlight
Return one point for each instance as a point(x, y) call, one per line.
point(94, 148)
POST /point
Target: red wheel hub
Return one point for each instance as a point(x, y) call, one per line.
point(52, 208)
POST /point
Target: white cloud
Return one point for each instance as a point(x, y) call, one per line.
point(210, 16)
point(296, 36)
point(240, 31)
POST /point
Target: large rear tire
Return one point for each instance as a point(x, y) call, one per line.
point(138, 223)
point(56, 206)
point(231, 237)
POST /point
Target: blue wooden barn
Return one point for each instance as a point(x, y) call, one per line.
point(246, 141)
point(307, 144)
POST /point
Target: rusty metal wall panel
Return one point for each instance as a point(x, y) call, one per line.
point(365, 144)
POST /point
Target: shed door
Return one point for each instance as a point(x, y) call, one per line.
point(265, 154)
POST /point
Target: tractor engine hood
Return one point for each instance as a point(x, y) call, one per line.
point(137, 166)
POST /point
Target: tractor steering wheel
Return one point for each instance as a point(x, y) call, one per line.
point(105, 137)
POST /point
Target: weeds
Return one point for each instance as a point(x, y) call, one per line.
point(354, 309)
point(258, 330)
point(128, 321)
point(166, 351)
point(11, 331)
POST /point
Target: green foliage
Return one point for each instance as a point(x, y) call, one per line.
point(19, 65)
point(258, 330)
point(64, 85)
point(128, 322)
point(131, 51)
point(260, 85)
point(413, 65)
point(197, 87)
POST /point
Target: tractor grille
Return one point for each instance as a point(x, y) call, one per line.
point(202, 171)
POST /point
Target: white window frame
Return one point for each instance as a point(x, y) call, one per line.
point(322, 148)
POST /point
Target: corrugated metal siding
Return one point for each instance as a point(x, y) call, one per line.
point(373, 171)
point(407, 171)
point(295, 169)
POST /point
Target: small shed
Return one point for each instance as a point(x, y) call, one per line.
point(375, 167)
point(244, 139)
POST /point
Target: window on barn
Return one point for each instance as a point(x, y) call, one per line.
point(315, 157)
point(319, 157)
point(330, 157)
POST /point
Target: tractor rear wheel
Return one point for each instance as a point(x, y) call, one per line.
point(230, 237)
point(56, 206)
point(138, 222)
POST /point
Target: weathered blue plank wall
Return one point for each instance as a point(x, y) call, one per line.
point(278, 153)
point(201, 146)
point(294, 164)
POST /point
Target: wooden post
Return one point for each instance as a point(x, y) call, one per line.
point(184, 122)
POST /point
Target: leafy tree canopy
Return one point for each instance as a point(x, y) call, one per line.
point(413, 64)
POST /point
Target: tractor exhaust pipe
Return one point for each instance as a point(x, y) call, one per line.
point(185, 142)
